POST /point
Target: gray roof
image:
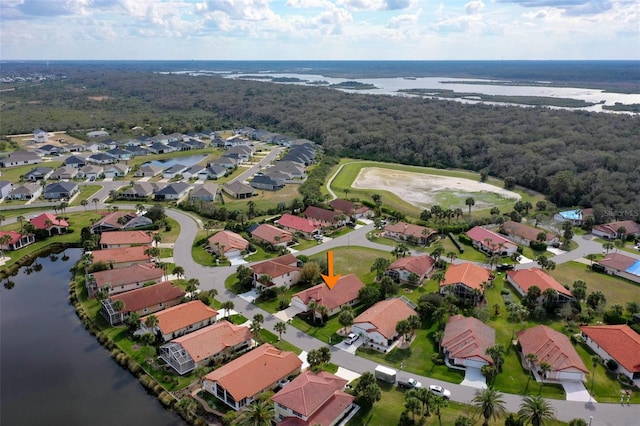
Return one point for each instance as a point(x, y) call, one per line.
point(60, 187)
point(100, 156)
point(174, 188)
point(204, 190)
point(39, 171)
point(267, 180)
point(22, 155)
point(26, 188)
point(74, 159)
point(238, 187)
point(176, 168)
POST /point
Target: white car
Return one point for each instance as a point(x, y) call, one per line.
point(410, 384)
point(440, 391)
point(351, 338)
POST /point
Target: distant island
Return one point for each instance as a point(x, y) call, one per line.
point(623, 107)
point(355, 85)
point(288, 80)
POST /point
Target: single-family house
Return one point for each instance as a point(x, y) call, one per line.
point(137, 222)
point(194, 143)
point(283, 271)
point(617, 342)
point(215, 171)
point(38, 174)
point(91, 172)
point(137, 151)
point(122, 257)
point(291, 168)
point(119, 239)
point(40, 136)
point(523, 279)
point(576, 216)
point(75, 161)
point(272, 235)
point(220, 341)
point(173, 191)
point(306, 227)
point(313, 399)
point(141, 190)
point(148, 170)
point(238, 190)
point(525, 234)
point(555, 349)
point(64, 172)
point(620, 229)
point(143, 301)
point(466, 280)
point(403, 231)
point(411, 269)
point(20, 158)
point(93, 146)
point(327, 218)
point(49, 149)
point(173, 171)
point(344, 293)
point(622, 266)
point(116, 170)
point(120, 280)
point(267, 183)
point(466, 340)
point(112, 221)
point(193, 171)
point(26, 191)
point(226, 162)
point(5, 188)
point(16, 240)
point(160, 148)
point(490, 242)
point(60, 190)
point(76, 147)
point(179, 146)
point(120, 154)
point(227, 243)
point(378, 323)
point(351, 209)
point(101, 158)
point(181, 319)
point(204, 193)
point(50, 223)
point(237, 384)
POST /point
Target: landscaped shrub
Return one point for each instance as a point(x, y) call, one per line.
point(464, 239)
point(537, 246)
point(166, 399)
point(611, 365)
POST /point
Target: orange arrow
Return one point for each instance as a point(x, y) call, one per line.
point(330, 280)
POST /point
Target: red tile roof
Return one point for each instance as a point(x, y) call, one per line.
point(140, 273)
point(419, 265)
point(345, 290)
point(552, 347)
point(276, 267)
point(299, 223)
point(480, 234)
point(315, 395)
point(15, 236)
point(213, 339)
point(136, 300)
point(617, 261)
point(40, 221)
point(121, 255)
point(269, 233)
point(619, 341)
point(469, 274)
point(526, 278)
point(125, 237)
point(230, 241)
point(385, 315)
point(180, 316)
point(241, 379)
point(323, 215)
point(112, 218)
point(409, 229)
point(612, 227)
point(524, 231)
point(466, 337)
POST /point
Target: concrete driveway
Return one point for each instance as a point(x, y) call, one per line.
point(349, 348)
point(474, 378)
point(576, 391)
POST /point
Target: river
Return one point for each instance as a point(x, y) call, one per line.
point(52, 371)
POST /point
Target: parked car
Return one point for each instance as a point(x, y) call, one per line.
point(440, 391)
point(351, 338)
point(505, 267)
point(410, 383)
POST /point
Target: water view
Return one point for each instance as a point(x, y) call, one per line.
point(188, 161)
point(52, 371)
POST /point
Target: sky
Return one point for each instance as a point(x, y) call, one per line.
point(320, 29)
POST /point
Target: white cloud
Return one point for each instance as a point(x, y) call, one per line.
point(474, 7)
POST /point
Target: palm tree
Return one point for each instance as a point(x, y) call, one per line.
point(545, 367)
point(489, 403)
point(4, 240)
point(95, 202)
point(151, 322)
point(531, 360)
point(20, 219)
point(84, 204)
point(380, 265)
point(178, 271)
point(425, 396)
point(437, 336)
point(346, 317)
point(118, 305)
point(280, 327)
point(607, 246)
point(470, 202)
point(451, 255)
point(259, 413)
point(322, 312)
point(438, 403)
point(192, 286)
point(536, 410)
point(157, 238)
point(227, 306)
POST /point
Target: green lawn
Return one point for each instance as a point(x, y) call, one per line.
point(354, 260)
point(617, 290)
point(86, 193)
point(170, 236)
point(13, 174)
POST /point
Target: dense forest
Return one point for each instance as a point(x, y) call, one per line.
point(577, 158)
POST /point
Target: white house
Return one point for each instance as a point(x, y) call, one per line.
point(377, 324)
point(618, 342)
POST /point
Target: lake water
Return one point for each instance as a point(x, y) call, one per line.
point(188, 161)
point(52, 371)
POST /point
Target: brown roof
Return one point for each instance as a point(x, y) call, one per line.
point(40, 221)
point(310, 394)
point(526, 278)
point(213, 339)
point(466, 337)
point(612, 227)
point(112, 218)
point(230, 241)
point(469, 274)
point(126, 237)
point(240, 377)
point(480, 234)
point(619, 341)
point(144, 297)
point(344, 206)
point(140, 273)
point(385, 315)
point(550, 346)
point(180, 316)
point(121, 255)
point(617, 261)
point(269, 233)
point(276, 267)
point(407, 229)
point(323, 215)
point(345, 290)
point(524, 231)
point(419, 265)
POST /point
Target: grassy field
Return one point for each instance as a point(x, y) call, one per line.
point(13, 174)
point(86, 193)
point(354, 260)
point(264, 200)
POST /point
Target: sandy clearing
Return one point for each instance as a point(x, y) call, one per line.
point(420, 189)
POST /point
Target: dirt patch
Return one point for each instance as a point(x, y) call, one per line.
point(98, 98)
point(422, 190)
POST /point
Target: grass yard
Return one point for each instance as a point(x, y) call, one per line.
point(172, 235)
point(86, 193)
point(13, 174)
point(264, 200)
point(617, 290)
point(354, 260)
